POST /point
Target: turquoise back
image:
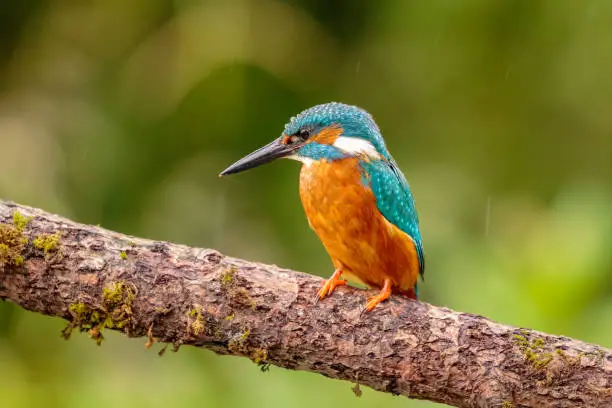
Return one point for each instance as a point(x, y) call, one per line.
point(394, 200)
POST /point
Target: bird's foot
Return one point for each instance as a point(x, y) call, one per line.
point(330, 285)
point(383, 295)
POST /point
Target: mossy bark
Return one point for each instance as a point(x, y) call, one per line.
point(190, 296)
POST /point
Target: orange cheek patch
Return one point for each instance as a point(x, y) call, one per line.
point(328, 135)
point(286, 139)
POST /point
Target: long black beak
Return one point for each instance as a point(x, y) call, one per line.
point(266, 154)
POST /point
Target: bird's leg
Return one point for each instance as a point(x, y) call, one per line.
point(332, 283)
point(384, 294)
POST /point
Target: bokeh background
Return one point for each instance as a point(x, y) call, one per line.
point(122, 113)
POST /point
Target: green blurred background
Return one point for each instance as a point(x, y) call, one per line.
point(122, 113)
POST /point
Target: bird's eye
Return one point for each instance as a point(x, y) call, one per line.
point(300, 136)
point(303, 134)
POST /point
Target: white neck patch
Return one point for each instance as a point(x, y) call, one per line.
point(355, 146)
point(306, 160)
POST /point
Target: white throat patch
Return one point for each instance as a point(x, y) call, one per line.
point(306, 160)
point(355, 146)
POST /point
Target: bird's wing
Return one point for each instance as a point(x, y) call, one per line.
point(394, 200)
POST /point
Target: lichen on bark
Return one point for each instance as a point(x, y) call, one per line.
point(179, 295)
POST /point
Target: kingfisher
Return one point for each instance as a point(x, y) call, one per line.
point(355, 197)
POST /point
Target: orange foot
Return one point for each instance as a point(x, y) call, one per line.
point(330, 285)
point(384, 294)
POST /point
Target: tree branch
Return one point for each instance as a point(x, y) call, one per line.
point(98, 280)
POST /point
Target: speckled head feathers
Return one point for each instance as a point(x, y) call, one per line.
point(353, 121)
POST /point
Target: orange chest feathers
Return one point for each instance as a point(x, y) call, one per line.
point(343, 213)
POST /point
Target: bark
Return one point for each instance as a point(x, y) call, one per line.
point(101, 280)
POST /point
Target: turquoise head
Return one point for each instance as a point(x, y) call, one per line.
point(330, 131)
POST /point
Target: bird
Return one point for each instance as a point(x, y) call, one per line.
point(355, 197)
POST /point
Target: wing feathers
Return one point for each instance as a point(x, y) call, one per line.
point(394, 200)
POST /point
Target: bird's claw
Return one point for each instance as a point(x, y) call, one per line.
point(329, 286)
point(370, 305)
point(384, 294)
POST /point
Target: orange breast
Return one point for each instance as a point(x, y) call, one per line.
point(342, 211)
